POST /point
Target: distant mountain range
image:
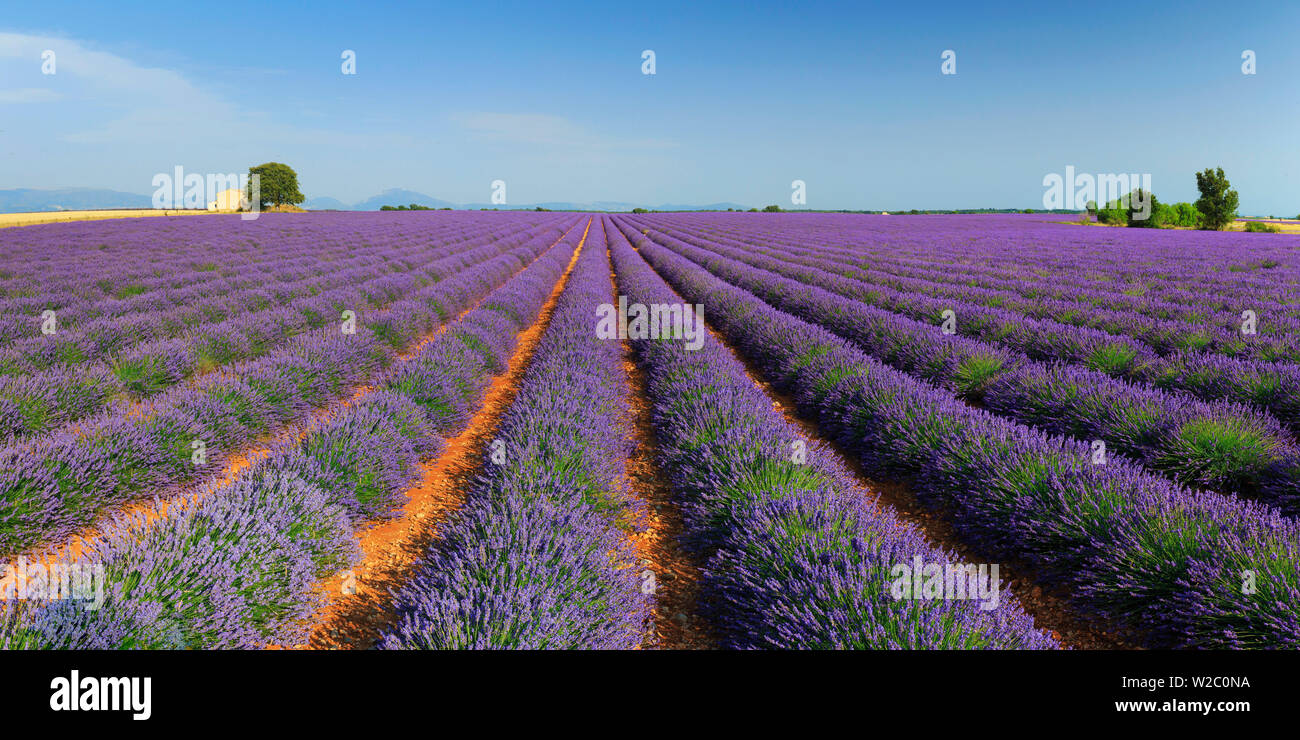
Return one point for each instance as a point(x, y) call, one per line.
point(391, 197)
point(22, 200)
point(399, 197)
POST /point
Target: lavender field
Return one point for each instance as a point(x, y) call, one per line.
point(538, 430)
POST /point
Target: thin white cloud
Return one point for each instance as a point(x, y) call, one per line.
point(106, 71)
point(119, 122)
point(28, 95)
point(132, 104)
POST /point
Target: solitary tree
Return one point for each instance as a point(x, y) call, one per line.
point(278, 184)
point(1217, 204)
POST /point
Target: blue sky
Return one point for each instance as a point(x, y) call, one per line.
point(747, 97)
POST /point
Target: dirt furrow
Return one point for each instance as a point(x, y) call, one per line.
point(675, 620)
point(147, 510)
point(358, 602)
point(1049, 608)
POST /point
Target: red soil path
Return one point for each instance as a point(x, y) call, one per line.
point(675, 623)
point(392, 549)
point(144, 513)
point(1050, 609)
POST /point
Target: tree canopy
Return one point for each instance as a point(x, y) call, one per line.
point(279, 184)
point(1217, 204)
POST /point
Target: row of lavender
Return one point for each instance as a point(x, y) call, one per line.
point(137, 263)
point(1177, 568)
point(1119, 304)
point(539, 557)
point(46, 401)
point(1189, 268)
point(239, 566)
point(57, 484)
point(121, 272)
point(138, 363)
point(171, 314)
point(1219, 445)
point(534, 560)
point(1272, 386)
point(1269, 336)
point(1128, 310)
point(796, 555)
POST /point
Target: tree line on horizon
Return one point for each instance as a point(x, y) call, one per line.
point(1215, 209)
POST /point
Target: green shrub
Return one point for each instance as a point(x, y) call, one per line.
point(1259, 227)
point(1137, 215)
point(1112, 216)
point(1183, 214)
